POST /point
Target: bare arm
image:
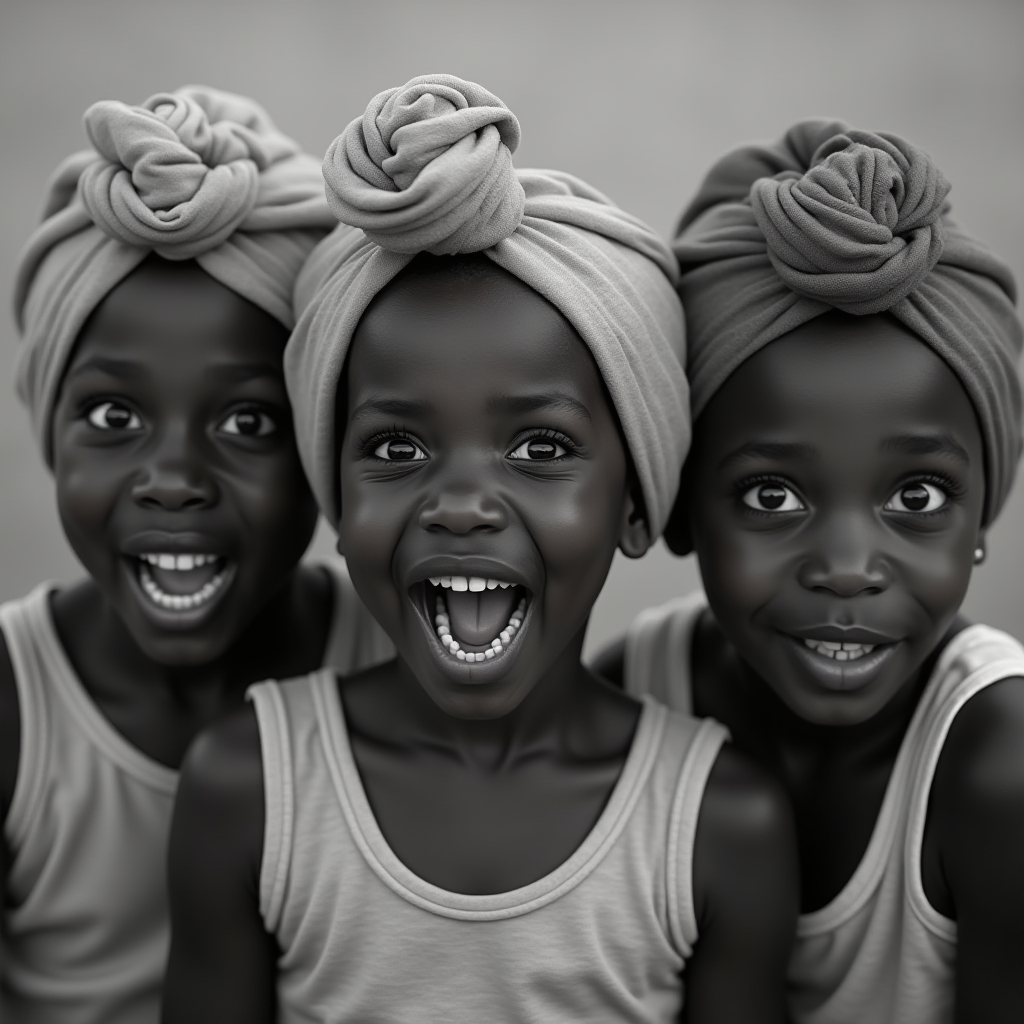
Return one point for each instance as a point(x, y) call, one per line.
point(746, 890)
point(977, 813)
point(222, 964)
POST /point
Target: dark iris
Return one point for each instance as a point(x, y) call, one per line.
point(542, 450)
point(915, 498)
point(117, 416)
point(771, 496)
point(247, 422)
point(401, 451)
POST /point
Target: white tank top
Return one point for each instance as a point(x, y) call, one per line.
point(879, 952)
point(85, 927)
point(604, 937)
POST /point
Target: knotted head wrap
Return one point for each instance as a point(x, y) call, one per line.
point(194, 174)
point(830, 217)
point(428, 168)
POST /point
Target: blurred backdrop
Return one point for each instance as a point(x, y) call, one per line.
point(637, 97)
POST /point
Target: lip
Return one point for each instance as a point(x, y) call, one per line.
point(184, 543)
point(177, 620)
point(437, 565)
point(842, 676)
point(843, 634)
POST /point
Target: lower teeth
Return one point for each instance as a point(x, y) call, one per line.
point(443, 625)
point(178, 602)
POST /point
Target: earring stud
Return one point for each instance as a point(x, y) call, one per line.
point(979, 556)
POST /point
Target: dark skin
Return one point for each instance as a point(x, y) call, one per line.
point(845, 502)
point(172, 434)
point(477, 440)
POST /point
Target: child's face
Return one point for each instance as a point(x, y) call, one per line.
point(479, 451)
point(178, 482)
point(837, 492)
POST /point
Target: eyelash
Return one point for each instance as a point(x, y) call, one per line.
point(953, 489)
point(742, 486)
point(369, 445)
point(548, 434)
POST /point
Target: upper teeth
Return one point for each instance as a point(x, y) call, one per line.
point(839, 651)
point(180, 563)
point(469, 583)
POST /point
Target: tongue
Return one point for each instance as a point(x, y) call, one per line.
point(187, 581)
point(478, 617)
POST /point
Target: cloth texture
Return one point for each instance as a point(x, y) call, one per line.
point(879, 951)
point(428, 168)
point(604, 937)
point(194, 174)
point(833, 217)
point(85, 929)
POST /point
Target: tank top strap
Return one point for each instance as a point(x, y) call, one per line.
point(24, 623)
point(659, 648)
point(706, 737)
point(976, 658)
point(355, 641)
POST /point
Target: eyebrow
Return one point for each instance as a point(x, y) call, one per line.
point(391, 406)
point(926, 444)
point(238, 373)
point(772, 451)
point(111, 367)
point(531, 403)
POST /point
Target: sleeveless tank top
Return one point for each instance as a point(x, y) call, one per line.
point(85, 924)
point(604, 937)
point(879, 951)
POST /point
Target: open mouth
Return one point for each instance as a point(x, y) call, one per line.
point(475, 618)
point(181, 582)
point(839, 651)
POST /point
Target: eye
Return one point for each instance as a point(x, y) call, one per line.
point(538, 449)
point(113, 416)
point(918, 497)
point(400, 449)
point(249, 423)
point(772, 497)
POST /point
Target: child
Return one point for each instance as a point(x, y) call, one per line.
point(857, 429)
point(155, 301)
point(480, 830)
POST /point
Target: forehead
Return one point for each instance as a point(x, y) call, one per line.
point(451, 336)
point(177, 318)
point(841, 382)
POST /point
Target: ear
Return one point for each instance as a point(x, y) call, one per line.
point(634, 533)
point(338, 546)
point(678, 535)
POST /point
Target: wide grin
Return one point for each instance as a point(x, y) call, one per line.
point(839, 651)
point(475, 618)
point(181, 582)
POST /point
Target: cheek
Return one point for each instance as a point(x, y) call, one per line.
point(743, 569)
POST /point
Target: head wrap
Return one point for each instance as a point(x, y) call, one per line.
point(830, 217)
point(194, 174)
point(428, 168)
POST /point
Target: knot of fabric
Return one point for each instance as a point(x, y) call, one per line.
point(173, 177)
point(861, 228)
point(428, 168)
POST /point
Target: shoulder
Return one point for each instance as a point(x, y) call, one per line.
point(10, 728)
point(220, 803)
point(610, 662)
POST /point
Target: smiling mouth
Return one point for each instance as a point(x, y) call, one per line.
point(475, 618)
point(181, 582)
point(839, 651)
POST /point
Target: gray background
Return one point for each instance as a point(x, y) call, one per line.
point(637, 97)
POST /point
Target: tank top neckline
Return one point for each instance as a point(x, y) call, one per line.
point(868, 873)
point(72, 691)
point(404, 882)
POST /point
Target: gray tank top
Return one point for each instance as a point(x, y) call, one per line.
point(879, 952)
point(604, 937)
point(85, 928)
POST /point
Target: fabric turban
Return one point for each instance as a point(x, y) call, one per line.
point(830, 217)
point(194, 174)
point(428, 168)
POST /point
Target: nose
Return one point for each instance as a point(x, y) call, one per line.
point(462, 507)
point(847, 558)
point(176, 477)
